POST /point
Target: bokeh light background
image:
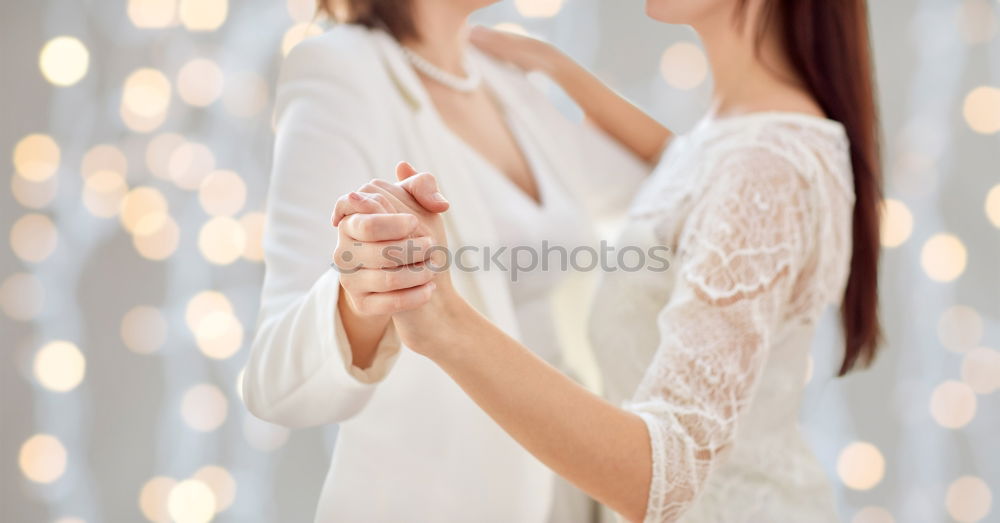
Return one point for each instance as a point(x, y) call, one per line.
point(136, 138)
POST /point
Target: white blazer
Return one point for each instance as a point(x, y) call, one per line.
point(411, 445)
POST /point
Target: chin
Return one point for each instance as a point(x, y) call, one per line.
point(684, 12)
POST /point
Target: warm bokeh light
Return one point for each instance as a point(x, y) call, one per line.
point(684, 66)
point(982, 109)
point(992, 205)
point(31, 194)
point(860, 466)
point(960, 328)
point(246, 95)
point(158, 153)
point(538, 8)
point(191, 501)
point(22, 296)
point(158, 244)
point(203, 15)
point(222, 484)
point(221, 240)
point(143, 210)
point(969, 499)
point(59, 366)
point(103, 193)
point(204, 304)
point(104, 157)
point(152, 14)
point(145, 100)
point(204, 407)
point(897, 223)
point(153, 498)
point(873, 515)
point(36, 157)
point(200, 82)
point(296, 34)
point(981, 370)
point(253, 226)
point(42, 458)
point(219, 335)
point(33, 237)
point(64, 61)
point(189, 164)
point(222, 193)
point(943, 257)
point(953, 404)
point(144, 329)
point(264, 436)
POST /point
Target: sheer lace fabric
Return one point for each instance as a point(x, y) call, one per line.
point(757, 212)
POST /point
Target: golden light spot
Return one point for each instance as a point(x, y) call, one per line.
point(222, 484)
point(982, 109)
point(684, 66)
point(191, 501)
point(158, 244)
point(953, 404)
point(204, 304)
point(981, 370)
point(219, 335)
point(296, 34)
point(262, 435)
point(993, 205)
point(873, 515)
point(204, 407)
point(977, 21)
point(42, 458)
point(200, 82)
point(64, 61)
point(538, 8)
point(221, 240)
point(145, 100)
point(222, 193)
point(301, 11)
point(960, 328)
point(153, 498)
point(897, 223)
point(189, 164)
point(968, 499)
point(143, 210)
point(31, 194)
point(512, 28)
point(943, 257)
point(253, 226)
point(144, 329)
point(33, 237)
point(103, 157)
point(246, 96)
point(59, 366)
point(158, 153)
point(22, 296)
point(103, 193)
point(860, 466)
point(36, 157)
point(152, 14)
point(203, 15)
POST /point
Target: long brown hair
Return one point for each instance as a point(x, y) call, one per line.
point(828, 43)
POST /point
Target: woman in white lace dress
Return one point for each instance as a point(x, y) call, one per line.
point(770, 208)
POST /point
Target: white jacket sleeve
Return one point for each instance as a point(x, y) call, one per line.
point(300, 372)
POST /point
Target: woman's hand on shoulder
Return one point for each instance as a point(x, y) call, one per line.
point(524, 52)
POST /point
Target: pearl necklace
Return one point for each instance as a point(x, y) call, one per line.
point(465, 85)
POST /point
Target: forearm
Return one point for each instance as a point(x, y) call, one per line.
point(618, 117)
point(602, 449)
point(363, 332)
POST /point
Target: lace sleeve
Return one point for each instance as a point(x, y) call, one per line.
point(739, 252)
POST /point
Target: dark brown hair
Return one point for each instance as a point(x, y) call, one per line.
point(829, 46)
point(394, 16)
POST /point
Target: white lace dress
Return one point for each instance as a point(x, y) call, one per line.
point(712, 353)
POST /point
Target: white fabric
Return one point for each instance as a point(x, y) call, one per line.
point(712, 353)
point(411, 445)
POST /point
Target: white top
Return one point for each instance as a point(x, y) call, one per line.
point(411, 445)
point(712, 353)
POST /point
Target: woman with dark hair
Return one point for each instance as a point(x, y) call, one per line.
point(396, 79)
point(770, 206)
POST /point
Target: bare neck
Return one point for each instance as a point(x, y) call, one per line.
point(441, 27)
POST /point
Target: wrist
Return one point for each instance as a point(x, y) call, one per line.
point(555, 63)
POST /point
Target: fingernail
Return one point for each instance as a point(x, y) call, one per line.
point(438, 197)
